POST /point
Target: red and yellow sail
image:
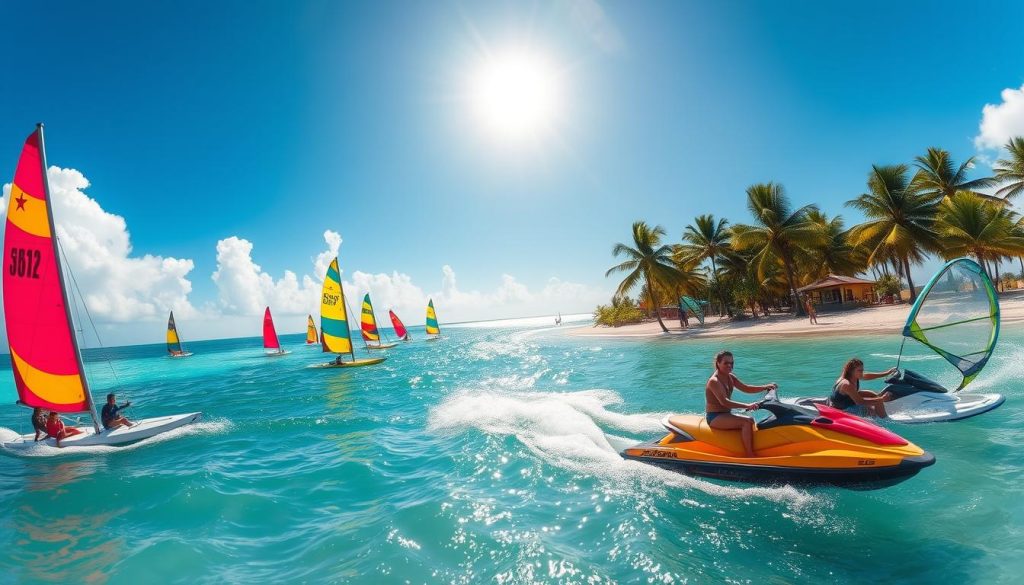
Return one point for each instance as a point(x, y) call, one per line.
point(367, 322)
point(44, 351)
point(311, 336)
point(269, 333)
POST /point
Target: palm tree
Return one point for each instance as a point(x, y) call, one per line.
point(1011, 171)
point(834, 254)
point(649, 264)
point(969, 225)
point(777, 233)
point(938, 177)
point(705, 239)
point(900, 219)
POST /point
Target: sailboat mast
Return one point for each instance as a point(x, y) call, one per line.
point(60, 279)
point(344, 310)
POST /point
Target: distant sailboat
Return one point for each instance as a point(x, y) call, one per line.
point(335, 335)
point(368, 326)
point(174, 348)
point(45, 356)
point(271, 345)
point(400, 329)
point(433, 330)
point(311, 336)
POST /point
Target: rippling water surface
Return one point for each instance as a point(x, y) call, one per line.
point(491, 456)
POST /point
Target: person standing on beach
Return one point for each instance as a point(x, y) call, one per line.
point(719, 402)
point(811, 314)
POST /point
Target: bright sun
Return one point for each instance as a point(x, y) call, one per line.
point(516, 96)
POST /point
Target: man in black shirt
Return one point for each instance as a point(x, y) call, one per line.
point(110, 415)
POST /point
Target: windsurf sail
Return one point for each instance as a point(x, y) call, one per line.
point(269, 333)
point(432, 326)
point(957, 317)
point(367, 321)
point(173, 342)
point(689, 303)
point(334, 331)
point(400, 329)
point(311, 335)
point(45, 357)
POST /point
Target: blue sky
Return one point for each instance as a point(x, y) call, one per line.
point(275, 121)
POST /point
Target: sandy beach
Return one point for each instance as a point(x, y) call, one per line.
point(876, 319)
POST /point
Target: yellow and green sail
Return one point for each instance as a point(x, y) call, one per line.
point(334, 331)
point(957, 317)
point(432, 327)
point(367, 322)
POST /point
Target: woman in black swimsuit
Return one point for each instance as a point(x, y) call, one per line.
point(846, 393)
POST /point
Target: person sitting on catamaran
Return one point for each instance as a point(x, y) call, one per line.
point(110, 415)
point(39, 422)
point(56, 429)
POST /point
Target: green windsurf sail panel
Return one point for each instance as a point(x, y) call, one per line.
point(957, 317)
point(693, 305)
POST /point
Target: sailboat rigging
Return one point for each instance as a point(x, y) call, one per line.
point(46, 359)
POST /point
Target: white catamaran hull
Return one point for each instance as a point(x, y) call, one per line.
point(926, 407)
point(142, 429)
point(923, 407)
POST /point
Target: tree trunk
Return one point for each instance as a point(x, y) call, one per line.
point(910, 281)
point(996, 264)
point(654, 305)
point(721, 293)
point(798, 310)
point(1021, 258)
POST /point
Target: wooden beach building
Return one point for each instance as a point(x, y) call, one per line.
point(836, 291)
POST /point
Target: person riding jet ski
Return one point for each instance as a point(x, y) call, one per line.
point(718, 394)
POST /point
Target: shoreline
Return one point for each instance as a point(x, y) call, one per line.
point(878, 319)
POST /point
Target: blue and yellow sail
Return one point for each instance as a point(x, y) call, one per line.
point(173, 342)
point(957, 317)
point(334, 330)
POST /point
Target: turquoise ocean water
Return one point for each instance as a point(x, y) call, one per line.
point(491, 456)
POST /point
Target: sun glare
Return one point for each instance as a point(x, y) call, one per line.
point(516, 96)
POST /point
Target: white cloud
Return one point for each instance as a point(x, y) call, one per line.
point(1000, 122)
point(244, 289)
point(116, 286)
point(588, 16)
point(512, 298)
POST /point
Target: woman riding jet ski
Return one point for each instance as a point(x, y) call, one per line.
point(799, 445)
point(957, 317)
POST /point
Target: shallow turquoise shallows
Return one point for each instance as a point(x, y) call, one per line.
point(491, 456)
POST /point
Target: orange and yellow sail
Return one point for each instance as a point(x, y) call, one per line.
point(47, 365)
point(311, 335)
